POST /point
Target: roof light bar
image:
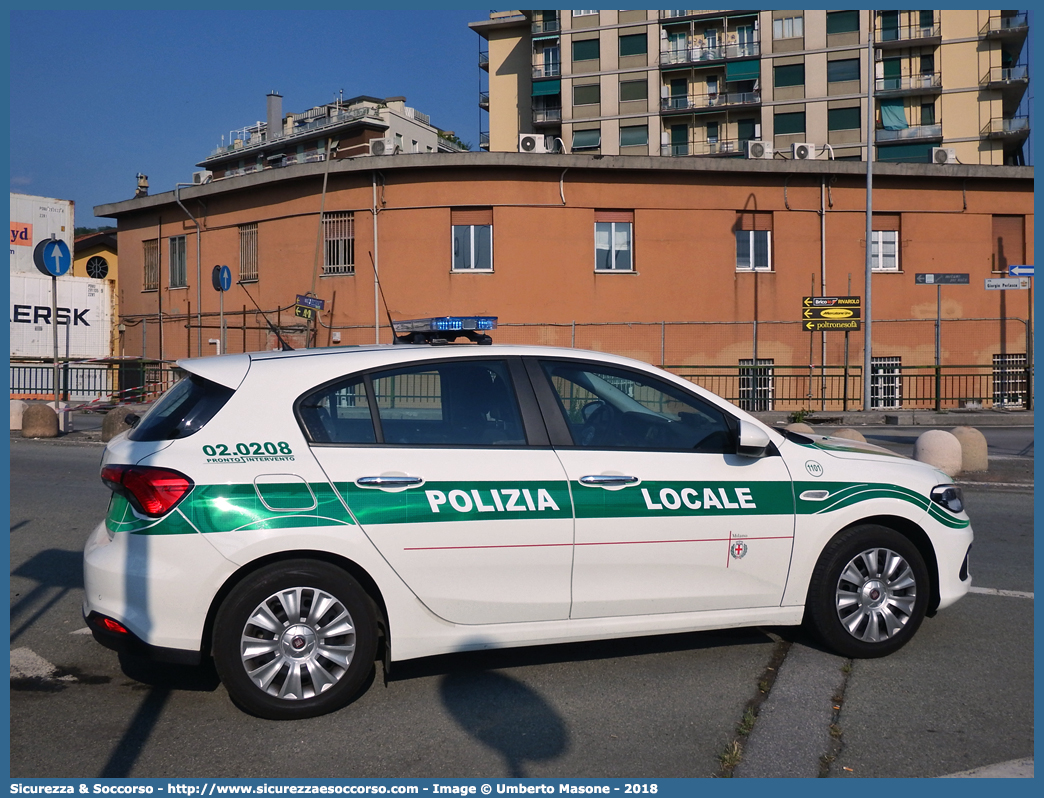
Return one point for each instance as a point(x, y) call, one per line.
point(443, 329)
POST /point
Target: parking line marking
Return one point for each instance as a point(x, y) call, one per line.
point(84, 631)
point(991, 591)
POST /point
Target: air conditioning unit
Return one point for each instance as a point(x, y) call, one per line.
point(803, 151)
point(878, 55)
point(199, 178)
point(759, 149)
point(530, 142)
point(382, 147)
point(944, 155)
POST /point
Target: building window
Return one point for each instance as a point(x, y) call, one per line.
point(884, 255)
point(886, 382)
point(754, 242)
point(842, 21)
point(756, 386)
point(472, 239)
point(789, 75)
point(928, 113)
point(97, 267)
point(788, 28)
point(1009, 379)
point(339, 242)
point(151, 259)
point(178, 272)
point(585, 50)
point(843, 118)
point(587, 139)
point(248, 252)
point(589, 94)
point(614, 241)
point(634, 90)
point(634, 136)
point(785, 124)
point(928, 64)
point(842, 70)
point(636, 44)
point(584, 13)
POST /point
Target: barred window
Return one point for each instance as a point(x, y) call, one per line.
point(178, 272)
point(248, 252)
point(339, 242)
point(151, 259)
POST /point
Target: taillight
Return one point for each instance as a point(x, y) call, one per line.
point(152, 491)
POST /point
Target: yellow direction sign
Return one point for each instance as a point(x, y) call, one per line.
point(824, 325)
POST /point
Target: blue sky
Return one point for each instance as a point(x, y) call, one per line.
point(98, 96)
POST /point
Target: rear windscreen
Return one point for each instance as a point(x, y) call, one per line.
point(182, 411)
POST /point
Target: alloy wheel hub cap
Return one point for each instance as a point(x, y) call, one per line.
point(298, 641)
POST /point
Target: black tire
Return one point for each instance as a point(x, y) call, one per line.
point(869, 592)
point(306, 631)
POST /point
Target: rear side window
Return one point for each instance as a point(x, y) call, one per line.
point(182, 411)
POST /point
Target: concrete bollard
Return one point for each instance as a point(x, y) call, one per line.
point(849, 434)
point(39, 421)
point(18, 407)
point(114, 422)
point(973, 449)
point(941, 449)
point(800, 427)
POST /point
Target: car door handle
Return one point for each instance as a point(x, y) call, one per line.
point(388, 482)
point(608, 480)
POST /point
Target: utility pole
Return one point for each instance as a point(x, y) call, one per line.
point(871, 76)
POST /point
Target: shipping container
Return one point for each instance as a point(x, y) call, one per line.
point(36, 219)
point(84, 317)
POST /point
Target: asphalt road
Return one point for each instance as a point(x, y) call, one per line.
point(959, 696)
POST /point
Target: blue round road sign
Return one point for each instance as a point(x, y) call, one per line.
point(222, 278)
point(52, 257)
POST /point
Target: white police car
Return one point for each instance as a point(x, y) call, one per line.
point(293, 514)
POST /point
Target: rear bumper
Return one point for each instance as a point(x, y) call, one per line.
point(130, 643)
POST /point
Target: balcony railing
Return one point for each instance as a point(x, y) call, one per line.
point(549, 70)
point(720, 147)
point(912, 133)
point(1003, 127)
point(547, 26)
point(484, 100)
point(484, 60)
point(1006, 25)
point(906, 33)
point(1002, 75)
point(695, 55)
point(699, 101)
point(909, 83)
point(546, 115)
point(484, 139)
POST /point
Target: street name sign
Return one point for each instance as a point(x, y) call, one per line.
point(1007, 283)
point(942, 278)
point(311, 302)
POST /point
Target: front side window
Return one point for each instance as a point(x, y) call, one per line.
point(613, 241)
point(150, 253)
point(609, 408)
point(178, 271)
point(339, 242)
point(788, 28)
point(884, 255)
point(472, 239)
point(470, 403)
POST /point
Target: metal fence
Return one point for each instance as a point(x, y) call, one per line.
point(759, 366)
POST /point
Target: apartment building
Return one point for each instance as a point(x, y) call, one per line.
point(342, 129)
point(948, 85)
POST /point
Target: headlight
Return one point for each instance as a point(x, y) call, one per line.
point(949, 496)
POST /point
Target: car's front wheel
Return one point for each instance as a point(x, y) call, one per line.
point(296, 639)
point(869, 592)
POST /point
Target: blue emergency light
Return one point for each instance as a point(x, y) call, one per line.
point(433, 330)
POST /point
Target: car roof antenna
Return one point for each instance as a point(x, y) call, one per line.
point(283, 345)
point(380, 288)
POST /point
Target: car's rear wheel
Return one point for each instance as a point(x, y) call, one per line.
point(296, 639)
point(869, 592)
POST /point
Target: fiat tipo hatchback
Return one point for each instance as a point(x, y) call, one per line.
point(297, 515)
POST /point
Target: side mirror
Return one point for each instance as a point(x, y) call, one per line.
point(753, 440)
